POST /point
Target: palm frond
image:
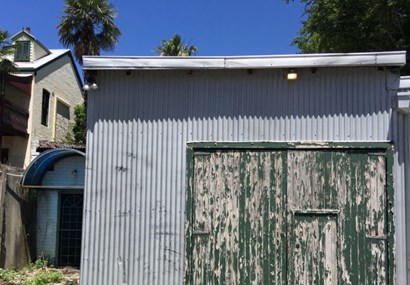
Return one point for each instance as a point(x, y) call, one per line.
point(88, 27)
point(6, 50)
point(175, 47)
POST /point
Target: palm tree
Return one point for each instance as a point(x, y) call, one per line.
point(175, 47)
point(88, 27)
point(6, 50)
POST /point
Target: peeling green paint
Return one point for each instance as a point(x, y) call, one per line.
point(290, 214)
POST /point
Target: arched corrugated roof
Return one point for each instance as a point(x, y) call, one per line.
point(38, 167)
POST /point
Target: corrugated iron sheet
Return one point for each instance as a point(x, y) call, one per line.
point(139, 125)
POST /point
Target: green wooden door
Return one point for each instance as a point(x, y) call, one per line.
point(337, 217)
point(238, 215)
point(287, 217)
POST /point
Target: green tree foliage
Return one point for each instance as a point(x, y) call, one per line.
point(6, 50)
point(355, 26)
point(175, 47)
point(88, 27)
point(80, 124)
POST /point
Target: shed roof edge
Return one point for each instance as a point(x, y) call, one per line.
point(392, 58)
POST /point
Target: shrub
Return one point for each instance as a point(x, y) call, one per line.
point(44, 278)
point(7, 274)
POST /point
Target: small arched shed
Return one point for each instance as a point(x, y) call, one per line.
point(58, 177)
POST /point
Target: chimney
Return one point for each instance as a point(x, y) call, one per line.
point(27, 29)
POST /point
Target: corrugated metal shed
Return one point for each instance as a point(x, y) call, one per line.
point(140, 121)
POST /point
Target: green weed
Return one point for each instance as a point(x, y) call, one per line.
point(44, 278)
point(7, 274)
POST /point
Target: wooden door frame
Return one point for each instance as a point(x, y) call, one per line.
point(386, 148)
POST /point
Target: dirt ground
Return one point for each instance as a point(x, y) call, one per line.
point(70, 274)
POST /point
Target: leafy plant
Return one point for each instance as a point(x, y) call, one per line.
point(80, 123)
point(7, 274)
point(44, 278)
point(40, 263)
point(355, 26)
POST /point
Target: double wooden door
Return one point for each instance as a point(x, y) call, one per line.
point(288, 217)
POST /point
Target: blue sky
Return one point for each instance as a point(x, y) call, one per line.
point(216, 27)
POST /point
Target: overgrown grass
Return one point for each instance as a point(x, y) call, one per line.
point(35, 273)
point(7, 274)
point(44, 278)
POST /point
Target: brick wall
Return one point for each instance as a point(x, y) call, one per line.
point(58, 78)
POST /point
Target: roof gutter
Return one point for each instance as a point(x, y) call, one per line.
point(395, 58)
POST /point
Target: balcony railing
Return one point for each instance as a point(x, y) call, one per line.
point(15, 120)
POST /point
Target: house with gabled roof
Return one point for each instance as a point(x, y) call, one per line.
point(39, 98)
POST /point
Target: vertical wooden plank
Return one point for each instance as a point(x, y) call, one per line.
point(375, 226)
point(237, 218)
point(215, 218)
point(351, 183)
point(314, 250)
point(261, 243)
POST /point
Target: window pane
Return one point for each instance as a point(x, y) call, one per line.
point(63, 110)
point(23, 51)
point(44, 107)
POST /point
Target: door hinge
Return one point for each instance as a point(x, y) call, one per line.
point(377, 237)
point(377, 153)
point(200, 233)
point(201, 153)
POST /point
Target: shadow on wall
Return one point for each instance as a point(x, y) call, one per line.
point(182, 95)
point(335, 104)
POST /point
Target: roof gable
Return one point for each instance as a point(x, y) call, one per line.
point(37, 49)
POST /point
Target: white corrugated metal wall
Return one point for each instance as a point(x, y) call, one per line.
point(140, 123)
point(406, 174)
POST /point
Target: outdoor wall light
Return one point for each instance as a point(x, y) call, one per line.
point(91, 84)
point(86, 87)
point(94, 86)
point(292, 74)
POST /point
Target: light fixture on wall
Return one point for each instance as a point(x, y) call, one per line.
point(292, 74)
point(94, 86)
point(74, 172)
point(90, 82)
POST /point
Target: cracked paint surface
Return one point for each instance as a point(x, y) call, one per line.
point(288, 217)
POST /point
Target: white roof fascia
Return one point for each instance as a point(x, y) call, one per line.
point(55, 53)
point(395, 58)
point(403, 95)
point(404, 82)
